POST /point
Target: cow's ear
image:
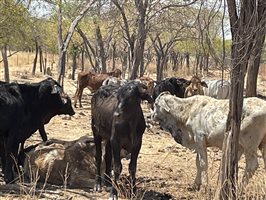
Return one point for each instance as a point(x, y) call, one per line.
point(204, 84)
point(56, 89)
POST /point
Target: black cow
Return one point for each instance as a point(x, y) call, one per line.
point(41, 128)
point(176, 86)
point(117, 118)
point(24, 108)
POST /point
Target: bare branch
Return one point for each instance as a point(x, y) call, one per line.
point(10, 55)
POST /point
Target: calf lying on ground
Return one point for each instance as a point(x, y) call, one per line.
point(117, 118)
point(202, 121)
point(24, 108)
point(62, 162)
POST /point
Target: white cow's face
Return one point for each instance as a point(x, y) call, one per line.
point(161, 109)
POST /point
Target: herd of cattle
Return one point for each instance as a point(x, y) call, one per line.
point(193, 111)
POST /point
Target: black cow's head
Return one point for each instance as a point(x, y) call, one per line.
point(132, 93)
point(52, 96)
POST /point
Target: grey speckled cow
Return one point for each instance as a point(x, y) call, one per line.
point(199, 122)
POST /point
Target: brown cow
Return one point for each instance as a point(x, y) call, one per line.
point(93, 81)
point(148, 82)
point(115, 73)
point(195, 87)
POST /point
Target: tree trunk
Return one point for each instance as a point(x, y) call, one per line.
point(88, 44)
point(159, 70)
point(5, 61)
point(253, 68)
point(124, 64)
point(41, 58)
point(63, 44)
point(243, 27)
point(141, 6)
point(82, 59)
point(113, 55)
point(187, 60)
point(206, 63)
point(62, 63)
point(101, 49)
point(36, 57)
point(74, 61)
point(44, 65)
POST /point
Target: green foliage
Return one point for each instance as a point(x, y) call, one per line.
point(15, 24)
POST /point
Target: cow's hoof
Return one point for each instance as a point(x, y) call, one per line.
point(97, 188)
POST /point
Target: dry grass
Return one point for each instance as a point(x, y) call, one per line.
point(165, 168)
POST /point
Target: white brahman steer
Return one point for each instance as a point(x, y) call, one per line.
point(199, 122)
point(219, 89)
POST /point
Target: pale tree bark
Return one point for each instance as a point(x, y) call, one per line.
point(141, 6)
point(36, 57)
point(130, 38)
point(162, 51)
point(74, 61)
point(254, 62)
point(113, 55)
point(64, 43)
point(82, 59)
point(101, 49)
point(5, 61)
point(253, 68)
point(243, 29)
point(41, 58)
point(89, 48)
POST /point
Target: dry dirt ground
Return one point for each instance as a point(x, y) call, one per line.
point(165, 168)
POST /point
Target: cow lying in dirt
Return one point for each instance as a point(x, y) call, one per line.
point(202, 121)
point(61, 162)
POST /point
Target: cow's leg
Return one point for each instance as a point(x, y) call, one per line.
point(80, 95)
point(98, 159)
point(43, 133)
point(133, 168)
point(108, 165)
point(251, 166)
point(76, 97)
point(116, 149)
point(197, 182)
point(3, 153)
point(202, 165)
point(11, 158)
